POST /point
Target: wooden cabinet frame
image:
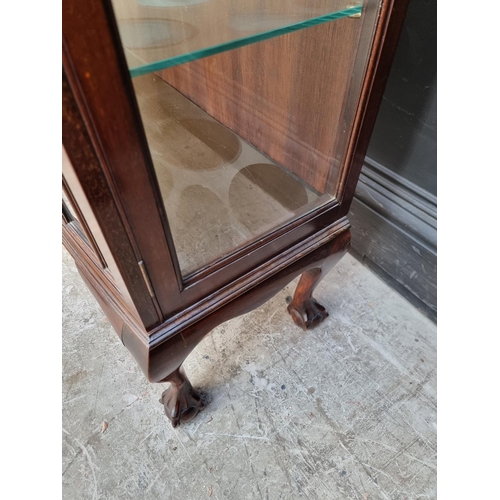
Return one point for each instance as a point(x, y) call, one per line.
point(129, 261)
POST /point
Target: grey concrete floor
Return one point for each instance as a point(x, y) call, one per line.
point(344, 411)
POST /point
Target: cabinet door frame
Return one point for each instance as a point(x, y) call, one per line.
point(101, 88)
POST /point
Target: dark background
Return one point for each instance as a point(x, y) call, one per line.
point(394, 210)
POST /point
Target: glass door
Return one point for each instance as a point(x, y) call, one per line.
point(247, 108)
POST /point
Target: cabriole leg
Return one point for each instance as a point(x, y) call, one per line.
point(164, 362)
point(305, 310)
point(180, 401)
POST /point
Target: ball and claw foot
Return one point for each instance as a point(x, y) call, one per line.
point(181, 402)
point(308, 315)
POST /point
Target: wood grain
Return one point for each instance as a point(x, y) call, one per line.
point(107, 147)
point(156, 33)
point(98, 79)
point(285, 96)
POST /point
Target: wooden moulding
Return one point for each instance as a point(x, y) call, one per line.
point(161, 351)
point(161, 354)
point(106, 145)
point(101, 90)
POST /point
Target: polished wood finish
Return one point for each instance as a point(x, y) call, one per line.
point(377, 74)
point(75, 212)
point(180, 401)
point(288, 107)
point(151, 240)
point(110, 176)
point(165, 359)
point(191, 26)
point(305, 310)
point(101, 89)
point(96, 190)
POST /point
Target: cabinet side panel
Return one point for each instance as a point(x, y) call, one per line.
point(96, 191)
point(110, 269)
point(96, 72)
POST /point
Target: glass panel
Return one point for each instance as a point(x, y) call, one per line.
point(245, 141)
point(219, 191)
point(69, 207)
point(159, 34)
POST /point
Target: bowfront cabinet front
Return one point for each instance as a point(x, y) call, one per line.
point(211, 150)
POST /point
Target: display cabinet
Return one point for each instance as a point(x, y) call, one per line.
point(211, 150)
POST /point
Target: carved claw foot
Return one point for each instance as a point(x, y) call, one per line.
point(310, 313)
point(305, 310)
point(180, 401)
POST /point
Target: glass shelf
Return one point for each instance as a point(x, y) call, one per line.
point(159, 34)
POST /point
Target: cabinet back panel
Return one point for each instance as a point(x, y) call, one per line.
point(285, 96)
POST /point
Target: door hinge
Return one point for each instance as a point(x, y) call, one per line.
point(145, 275)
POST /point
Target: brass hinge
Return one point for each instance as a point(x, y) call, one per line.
point(145, 275)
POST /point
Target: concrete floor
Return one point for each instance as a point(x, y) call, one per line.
point(345, 411)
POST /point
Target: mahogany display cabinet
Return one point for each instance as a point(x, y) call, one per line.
point(211, 150)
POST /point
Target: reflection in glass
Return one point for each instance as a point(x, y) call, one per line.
point(247, 140)
point(219, 192)
point(180, 31)
point(143, 34)
point(169, 3)
point(259, 192)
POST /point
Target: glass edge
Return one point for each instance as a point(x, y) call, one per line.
point(193, 276)
point(241, 42)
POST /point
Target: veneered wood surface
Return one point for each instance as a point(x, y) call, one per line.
point(100, 85)
point(166, 357)
point(112, 120)
point(77, 213)
point(106, 144)
point(161, 352)
point(95, 188)
point(161, 32)
point(285, 95)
